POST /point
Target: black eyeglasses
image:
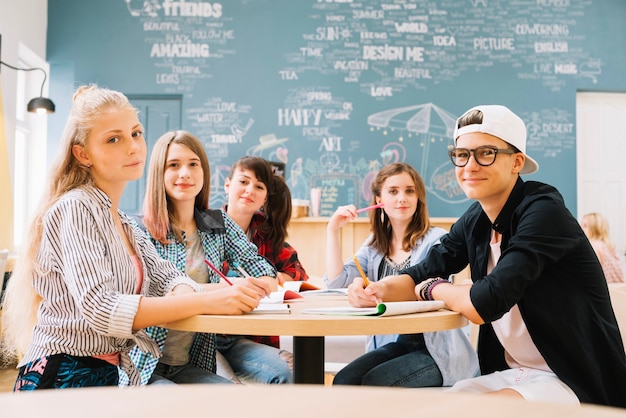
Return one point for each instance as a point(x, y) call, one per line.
point(485, 155)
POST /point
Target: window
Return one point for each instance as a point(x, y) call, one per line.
point(29, 150)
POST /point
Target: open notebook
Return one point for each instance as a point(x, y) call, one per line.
point(306, 289)
point(382, 309)
point(271, 308)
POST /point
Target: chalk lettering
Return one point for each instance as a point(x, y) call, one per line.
point(494, 44)
point(210, 117)
point(368, 14)
point(185, 69)
point(400, 72)
point(543, 47)
point(381, 91)
point(412, 27)
point(311, 52)
point(331, 143)
point(351, 65)
point(383, 53)
point(213, 34)
point(337, 115)
point(299, 117)
point(570, 68)
point(542, 29)
point(161, 26)
point(288, 75)
point(415, 53)
point(167, 79)
point(186, 50)
point(319, 95)
point(335, 18)
point(226, 107)
point(315, 131)
point(331, 33)
point(440, 40)
point(224, 139)
point(192, 9)
point(373, 35)
point(557, 128)
point(554, 3)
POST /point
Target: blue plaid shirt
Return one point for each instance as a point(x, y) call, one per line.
point(222, 240)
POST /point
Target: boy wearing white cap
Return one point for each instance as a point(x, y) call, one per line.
point(548, 331)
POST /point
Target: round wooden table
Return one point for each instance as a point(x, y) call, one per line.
point(309, 330)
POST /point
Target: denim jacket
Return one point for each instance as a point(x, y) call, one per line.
point(451, 350)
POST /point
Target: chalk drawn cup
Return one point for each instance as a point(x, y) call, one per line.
point(316, 201)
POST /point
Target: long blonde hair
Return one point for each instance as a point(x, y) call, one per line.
point(19, 309)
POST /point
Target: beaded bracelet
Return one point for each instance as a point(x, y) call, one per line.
point(423, 292)
point(432, 285)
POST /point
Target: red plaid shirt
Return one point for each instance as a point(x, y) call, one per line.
point(285, 261)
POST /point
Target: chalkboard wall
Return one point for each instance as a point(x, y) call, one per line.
point(335, 89)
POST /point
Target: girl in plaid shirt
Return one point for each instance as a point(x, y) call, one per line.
point(185, 231)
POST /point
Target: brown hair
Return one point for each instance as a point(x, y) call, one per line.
point(278, 203)
point(381, 227)
point(159, 215)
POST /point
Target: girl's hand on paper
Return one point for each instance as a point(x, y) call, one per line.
point(260, 286)
point(360, 296)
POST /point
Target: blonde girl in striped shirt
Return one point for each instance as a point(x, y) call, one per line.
point(88, 280)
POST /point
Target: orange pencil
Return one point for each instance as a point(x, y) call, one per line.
point(367, 282)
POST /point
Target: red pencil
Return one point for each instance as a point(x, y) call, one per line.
point(219, 273)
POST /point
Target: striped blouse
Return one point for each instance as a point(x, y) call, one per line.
point(87, 281)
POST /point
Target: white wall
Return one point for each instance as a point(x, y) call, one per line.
point(26, 22)
point(23, 26)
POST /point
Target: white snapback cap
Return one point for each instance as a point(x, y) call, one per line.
point(500, 122)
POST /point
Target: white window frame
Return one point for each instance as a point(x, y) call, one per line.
point(30, 148)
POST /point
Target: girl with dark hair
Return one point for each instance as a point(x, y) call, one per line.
point(259, 201)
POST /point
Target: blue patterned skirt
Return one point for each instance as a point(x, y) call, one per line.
point(64, 371)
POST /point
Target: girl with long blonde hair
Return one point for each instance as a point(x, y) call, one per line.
point(88, 280)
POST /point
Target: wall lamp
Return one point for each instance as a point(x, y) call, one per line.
point(40, 105)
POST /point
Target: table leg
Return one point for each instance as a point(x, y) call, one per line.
point(308, 360)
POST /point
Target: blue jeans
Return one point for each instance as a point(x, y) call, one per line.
point(170, 375)
point(254, 362)
point(404, 363)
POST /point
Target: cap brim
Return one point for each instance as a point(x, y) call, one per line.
point(530, 166)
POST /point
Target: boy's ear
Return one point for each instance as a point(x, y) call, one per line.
point(520, 160)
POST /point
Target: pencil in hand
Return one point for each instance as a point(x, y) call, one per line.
point(358, 266)
point(219, 273)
